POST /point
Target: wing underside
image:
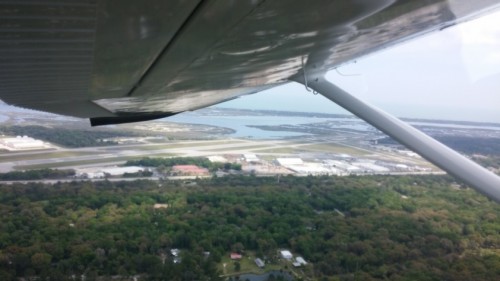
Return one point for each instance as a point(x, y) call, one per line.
point(125, 60)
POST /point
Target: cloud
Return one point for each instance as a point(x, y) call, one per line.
point(481, 46)
point(481, 31)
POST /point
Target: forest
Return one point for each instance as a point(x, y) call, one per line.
point(163, 163)
point(37, 174)
point(347, 228)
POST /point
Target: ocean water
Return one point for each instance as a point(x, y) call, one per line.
point(456, 126)
point(240, 123)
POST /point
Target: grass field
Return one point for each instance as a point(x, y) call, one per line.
point(334, 148)
point(251, 147)
point(48, 155)
point(284, 150)
point(183, 145)
point(84, 162)
point(324, 147)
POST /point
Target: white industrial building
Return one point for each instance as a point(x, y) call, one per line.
point(289, 161)
point(94, 173)
point(409, 153)
point(402, 167)
point(343, 155)
point(312, 169)
point(91, 175)
point(22, 143)
point(118, 171)
point(251, 158)
point(217, 158)
point(307, 168)
point(342, 165)
point(371, 167)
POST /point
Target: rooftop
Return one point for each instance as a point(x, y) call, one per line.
point(190, 169)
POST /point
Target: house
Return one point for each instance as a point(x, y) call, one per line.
point(286, 254)
point(301, 260)
point(190, 170)
point(160, 206)
point(235, 256)
point(260, 263)
point(176, 254)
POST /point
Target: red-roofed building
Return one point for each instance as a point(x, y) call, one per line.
point(235, 256)
point(190, 170)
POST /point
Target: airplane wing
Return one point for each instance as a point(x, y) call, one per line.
point(116, 61)
point(119, 61)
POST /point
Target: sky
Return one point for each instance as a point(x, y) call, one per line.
point(453, 74)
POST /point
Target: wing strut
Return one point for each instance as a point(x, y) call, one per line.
point(437, 153)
